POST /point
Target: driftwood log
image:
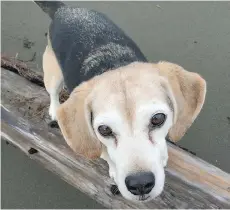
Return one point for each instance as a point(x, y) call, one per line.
point(190, 181)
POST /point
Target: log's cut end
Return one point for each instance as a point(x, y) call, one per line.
point(190, 181)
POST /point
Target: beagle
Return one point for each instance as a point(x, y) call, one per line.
point(121, 107)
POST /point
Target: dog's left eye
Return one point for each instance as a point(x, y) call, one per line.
point(157, 120)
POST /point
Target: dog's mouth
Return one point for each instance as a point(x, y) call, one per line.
point(144, 197)
point(115, 191)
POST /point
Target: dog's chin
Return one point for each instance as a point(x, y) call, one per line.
point(143, 199)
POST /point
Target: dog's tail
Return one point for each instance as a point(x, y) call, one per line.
point(50, 7)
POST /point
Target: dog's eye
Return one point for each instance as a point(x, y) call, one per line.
point(104, 130)
point(157, 120)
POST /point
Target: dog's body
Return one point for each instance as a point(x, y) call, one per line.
point(86, 43)
point(121, 107)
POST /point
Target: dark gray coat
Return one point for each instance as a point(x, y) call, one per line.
point(87, 43)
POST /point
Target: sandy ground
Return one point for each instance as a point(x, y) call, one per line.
point(26, 184)
point(195, 35)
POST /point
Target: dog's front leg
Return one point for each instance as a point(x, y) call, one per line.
point(53, 80)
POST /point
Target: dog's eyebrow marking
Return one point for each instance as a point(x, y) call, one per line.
point(128, 108)
point(91, 120)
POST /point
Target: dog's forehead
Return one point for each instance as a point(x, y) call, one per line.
point(128, 88)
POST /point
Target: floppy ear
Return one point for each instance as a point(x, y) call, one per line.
point(74, 119)
point(189, 90)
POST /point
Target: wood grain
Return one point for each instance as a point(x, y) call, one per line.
point(190, 181)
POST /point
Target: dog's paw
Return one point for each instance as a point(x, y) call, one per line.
point(114, 190)
point(53, 124)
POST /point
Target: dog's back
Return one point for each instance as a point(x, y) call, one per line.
point(87, 43)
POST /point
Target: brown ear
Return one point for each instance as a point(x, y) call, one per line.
point(74, 119)
point(189, 90)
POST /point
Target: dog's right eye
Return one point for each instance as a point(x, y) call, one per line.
point(105, 130)
point(157, 120)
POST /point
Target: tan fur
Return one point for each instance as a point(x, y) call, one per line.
point(189, 89)
point(74, 121)
point(124, 90)
point(52, 72)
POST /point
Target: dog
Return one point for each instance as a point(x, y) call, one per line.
point(121, 106)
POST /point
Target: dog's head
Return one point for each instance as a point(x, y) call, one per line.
point(130, 111)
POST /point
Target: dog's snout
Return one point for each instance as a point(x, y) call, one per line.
point(140, 183)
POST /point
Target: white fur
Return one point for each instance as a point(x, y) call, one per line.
point(134, 151)
point(54, 98)
point(54, 104)
point(112, 169)
point(125, 100)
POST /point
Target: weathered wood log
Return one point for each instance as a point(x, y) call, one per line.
point(190, 181)
point(20, 68)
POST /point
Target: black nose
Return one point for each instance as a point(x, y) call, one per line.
point(140, 183)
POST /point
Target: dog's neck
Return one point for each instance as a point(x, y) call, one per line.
point(109, 57)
